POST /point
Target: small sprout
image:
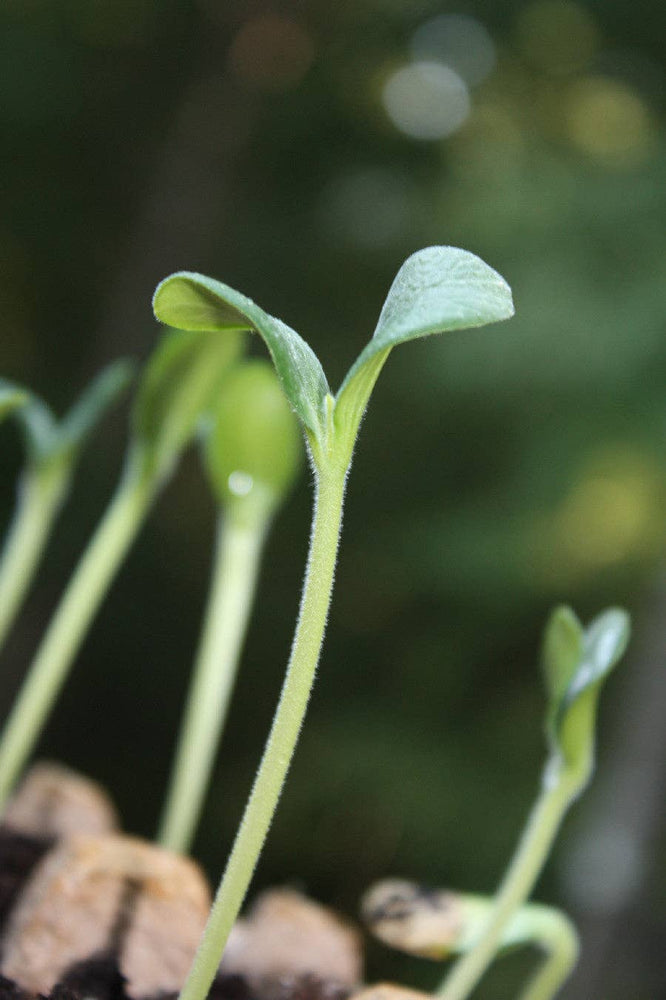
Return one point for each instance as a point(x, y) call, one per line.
point(439, 923)
point(576, 662)
point(252, 452)
point(178, 386)
point(436, 290)
point(52, 450)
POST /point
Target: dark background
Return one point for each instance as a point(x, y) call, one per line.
point(499, 471)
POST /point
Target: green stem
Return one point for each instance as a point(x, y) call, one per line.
point(70, 624)
point(234, 578)
point(282, 738)
point(515, 888)
point(557, 937)
point(40, 494)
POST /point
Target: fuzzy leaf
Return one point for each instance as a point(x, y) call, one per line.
point(436, 290)
point(253, 447)
point(179, 385)
point(193, 302)
point(574, 682)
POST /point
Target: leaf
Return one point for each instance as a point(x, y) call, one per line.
point(193, 302)
point(575, 683)
point(562, 652)
point(436, 290)
point(179, 385)
point(253, 446)
point(11, 397)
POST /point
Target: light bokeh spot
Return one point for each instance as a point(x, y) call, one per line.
point(458, 41)
point(426, 100)
point(609, 120)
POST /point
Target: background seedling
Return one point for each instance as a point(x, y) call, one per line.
point(436, 290)
point(576, 662)
point(178, 386)
point(438, 924)
point(52, 450)
point(252, 451)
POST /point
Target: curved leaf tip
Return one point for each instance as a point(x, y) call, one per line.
point(442, 288)
point(192, 301)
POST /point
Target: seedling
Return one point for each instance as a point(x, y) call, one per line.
point(252, 452)
point(436, 290)
point(52, 450)
point(576, 662)
point(439, 924)
point(179, 385)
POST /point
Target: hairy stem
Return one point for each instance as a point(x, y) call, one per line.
point(515, 888)
point(282, 738)
point(70, 624)
point(234, 578)
point(38, 501)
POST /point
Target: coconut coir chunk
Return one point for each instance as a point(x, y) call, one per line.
point(95, 915)
point(92, 894)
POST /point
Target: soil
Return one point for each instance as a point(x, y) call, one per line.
point(270, 968)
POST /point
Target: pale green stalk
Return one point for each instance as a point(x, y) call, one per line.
point(554, 933)
point(234, 578)
point(530, 856)
point(70, 623)
point(283, 735)
point(38, 501)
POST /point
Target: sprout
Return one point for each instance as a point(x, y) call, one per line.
point(252, 451)
point(576, 662)
point(178, 386)
point(52, 450)
point(438, 289)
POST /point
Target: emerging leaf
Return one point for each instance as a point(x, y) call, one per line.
point(436, 290)
point(178, 387)
point(253, 448)
point(562, 652)
point(576, 666)
point(193, 302)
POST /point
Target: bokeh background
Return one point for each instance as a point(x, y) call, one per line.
point(300, 151)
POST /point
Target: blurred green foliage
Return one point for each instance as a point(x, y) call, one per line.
point(499, 471)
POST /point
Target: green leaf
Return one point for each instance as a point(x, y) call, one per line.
point(436, 290)
point(253, 447)
point(562, 651)
point(193, 302)
point(575, 672)
point(11, 397)
point(178, 386)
